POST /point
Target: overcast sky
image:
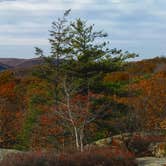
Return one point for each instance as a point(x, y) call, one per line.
point(135, 25)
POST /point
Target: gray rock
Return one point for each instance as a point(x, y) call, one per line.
point(103, 142)
point(151, 161)
point(5, 152)
point(158, 149)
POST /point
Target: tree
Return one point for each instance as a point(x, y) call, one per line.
point(78, 50)
point(79, 60)
point(77, 111)
point(59, 41)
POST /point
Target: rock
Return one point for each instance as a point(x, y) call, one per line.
point(103, 142)
point(123, 137)
point(151, 148)
point(140, 143)
point(5, 152)
point(120, 140)
point(158, 149)
point(151, 161)
point(117, 139)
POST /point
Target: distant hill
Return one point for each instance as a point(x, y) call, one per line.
point(137, 67)
point(28, 63)
point(11, 61)
point(4, 67)
point(19, 63)
point(147, 66)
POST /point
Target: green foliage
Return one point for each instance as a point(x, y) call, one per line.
point(38, 95)
point(78, 51)
point(24, 138)
point(115, 88)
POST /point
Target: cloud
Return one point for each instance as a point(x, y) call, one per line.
point(6, 0)
point(130, 23)
point(21, 41)
point(43, 5)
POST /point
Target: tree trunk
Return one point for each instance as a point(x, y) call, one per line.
point(81, 140)
point(76, 138)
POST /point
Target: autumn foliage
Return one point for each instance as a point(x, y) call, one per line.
point(29, 119)
point(147, 101)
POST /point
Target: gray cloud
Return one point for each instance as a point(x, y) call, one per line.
point(6, 0)
point(132, 25)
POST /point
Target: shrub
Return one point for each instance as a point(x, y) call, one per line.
point(140, 144)
point(99, 157)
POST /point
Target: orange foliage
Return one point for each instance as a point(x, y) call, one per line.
point(10, 110)
point(149, 101)
point(116, 76)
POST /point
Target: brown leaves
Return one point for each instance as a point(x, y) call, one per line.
point(149, 102)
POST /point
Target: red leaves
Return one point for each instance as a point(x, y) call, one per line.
point(7, 90)
point(116, 77)
point(149, 101)
point(104, 157)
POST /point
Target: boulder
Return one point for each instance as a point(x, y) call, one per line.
point(151, 161)
point(140, 143)
point(103, 142)
point(121, 140)
point(122, 137)
point(114, 140)
point(158, 149)
point(5, 152)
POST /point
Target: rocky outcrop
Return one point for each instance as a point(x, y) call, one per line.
point(114, 140)
point(5, 152)
point(151, 161)
point(142, 144)
point(102, 142)
point(158, 149)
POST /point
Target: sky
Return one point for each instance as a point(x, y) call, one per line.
point(133, 25)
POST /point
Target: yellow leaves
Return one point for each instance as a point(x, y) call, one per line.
point(163, 124)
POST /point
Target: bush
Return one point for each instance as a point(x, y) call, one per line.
point(140, 144)
point(99, 157)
